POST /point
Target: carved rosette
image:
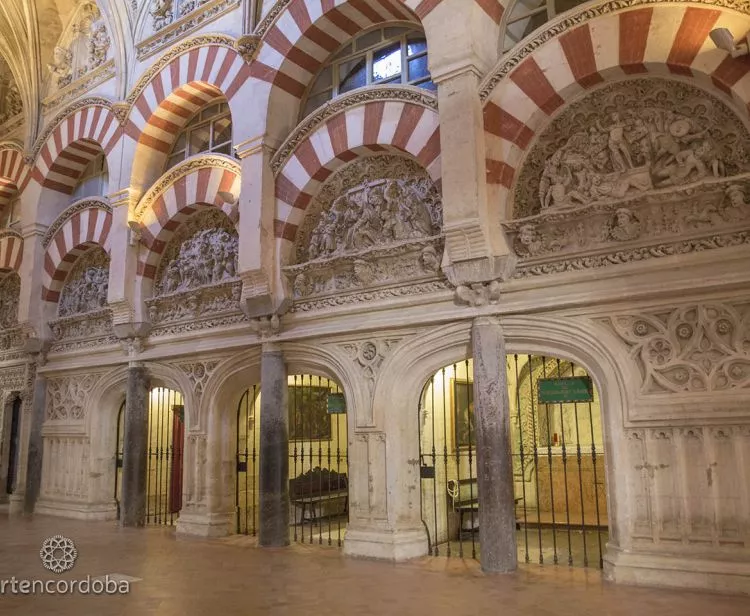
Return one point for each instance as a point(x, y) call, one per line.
point(374, 224)
point(628, 168)
point(67, 396)
point(696, 348)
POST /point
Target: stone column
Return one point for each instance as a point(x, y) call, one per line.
point(274, 449)
point(34, 460)
point(135, 446)
point(497, 518)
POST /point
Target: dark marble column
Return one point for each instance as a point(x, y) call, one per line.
point(497, 520)
point(36, 442)
point(274, 450)
point(135, 446)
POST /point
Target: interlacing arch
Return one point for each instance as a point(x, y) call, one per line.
point(522, 96)
point(82, 229)
point(11, 250)
point(203, 182)
point(361, 130)
point(73, 143)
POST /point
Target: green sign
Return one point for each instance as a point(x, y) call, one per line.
point(571, 389)
point(336, 404)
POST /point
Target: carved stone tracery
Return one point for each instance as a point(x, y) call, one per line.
point(696, 348)
point(375, 222)
point(67, 396)
point(10, 289)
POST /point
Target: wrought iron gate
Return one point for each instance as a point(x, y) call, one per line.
point(558, 468)
point(120, 438)
point(166, 432)
point(246, 489)
point(318, 465)
point(13, 445)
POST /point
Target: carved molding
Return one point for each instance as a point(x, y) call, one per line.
point(699, 348)
point(189, 21)
point(179, 49)
point(67, 396)
point(216, 161)
point(189, 325)
point(570, 20)
point(62, 116)
point(406, 94)
point(69, 212)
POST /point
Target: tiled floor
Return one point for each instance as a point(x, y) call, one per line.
point(231, 576)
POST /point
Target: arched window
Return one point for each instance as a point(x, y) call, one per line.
point(94, 180)
point(392, 55)
point(525, 16)
point(12, 213)
point(209, 131)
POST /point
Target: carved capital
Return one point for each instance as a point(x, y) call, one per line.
point(121, 111)
point(247, 46)
point(478, 294)
point(267, 326)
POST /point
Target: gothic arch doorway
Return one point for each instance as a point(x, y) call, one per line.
point(164, 456)
point(558, 462)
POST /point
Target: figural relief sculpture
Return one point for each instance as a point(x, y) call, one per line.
point(197, 275)
point(632, 163)
point(375, 223)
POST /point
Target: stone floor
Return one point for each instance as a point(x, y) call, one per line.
point(232, 576)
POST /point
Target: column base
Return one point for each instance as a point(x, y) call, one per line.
point(394, 545)
point(77, 510)
point(15, 504)
point(204, 524)
point(678, 571)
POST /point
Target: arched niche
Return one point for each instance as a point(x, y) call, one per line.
point(375, 224)
point(196, 277)
point(629, 166)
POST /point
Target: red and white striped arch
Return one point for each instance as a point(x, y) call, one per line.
point(666, 40)
point(375, 127)
point(82, 231)
point(73, 144)
point(14, 174)
point(11, 251)
point(166, 209)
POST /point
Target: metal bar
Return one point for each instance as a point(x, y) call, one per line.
point(565, 473)
point(470, 422)
point(433, 452)
point(580, 478)
point(536, 455)
point(523, 466)
point(256, 419)
point(549, 462)
point(149, 481)
point(338, 471)
point(596, 487)
point(320, 464)
point(457, 454)
point(294, 419)
point(237, 498)
point(446, 459)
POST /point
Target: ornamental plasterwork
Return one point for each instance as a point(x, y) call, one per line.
point(636, 170)
point(67, 396)
point(10, 289)
point(375, 223)
point(216, 161)
point(695, 348)
point(406, 94)
point(68, 213)
point(172, 20)
point(197, 276)
point(574, 18)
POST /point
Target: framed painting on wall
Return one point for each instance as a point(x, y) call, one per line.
point(308, 413)
point(462, 407)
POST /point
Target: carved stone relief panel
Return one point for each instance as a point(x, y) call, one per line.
point(638, 169)
point(86, 286)
point(197, 276)
point(375, 223)
point(693, 348)
point(11, 103)
point(67, 396)
point(10, 289)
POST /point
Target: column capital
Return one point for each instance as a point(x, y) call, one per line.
point(260, 143)
point(463, 68)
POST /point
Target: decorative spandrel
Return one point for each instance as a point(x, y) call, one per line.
point(10, 289)
point(376, 222)
point(86, 287)
point(629, 138)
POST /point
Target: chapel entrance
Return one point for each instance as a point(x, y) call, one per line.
point(164, 456)
point(318, 482)
point(558, 462)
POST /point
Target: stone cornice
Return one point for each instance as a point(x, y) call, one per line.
point(404, 94)
point(193, 20)
point(180, 171)
point(572, 19)
point(71, 211)
point(179, 49)
point(97, 101)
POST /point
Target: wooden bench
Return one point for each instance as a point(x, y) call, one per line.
point(319, 493)
point(464, 495)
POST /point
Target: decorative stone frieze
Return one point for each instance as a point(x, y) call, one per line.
point(374, 224)
point(67, 396)
point(693, 348)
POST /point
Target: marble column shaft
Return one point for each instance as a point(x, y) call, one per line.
point(274, 451)
point(497, 519)
point(36, 444)
point(135, 448)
